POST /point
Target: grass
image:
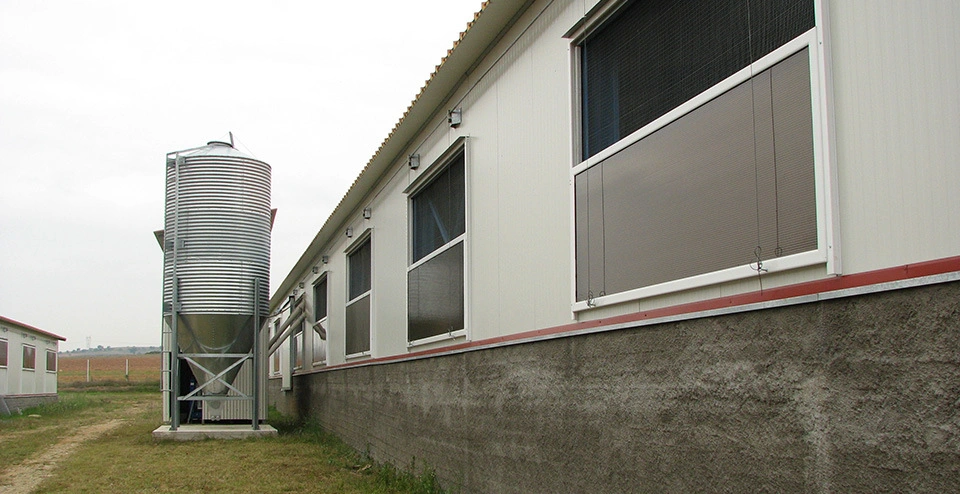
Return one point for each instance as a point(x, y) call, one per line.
point(303, 458)
point(23, 435)
point(387, 478)
point(113, 386)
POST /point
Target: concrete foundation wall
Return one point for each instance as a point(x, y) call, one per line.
point(11, 404)
point(858, 394)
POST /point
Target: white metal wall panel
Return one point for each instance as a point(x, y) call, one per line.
point(389, 219)
point(28, 382)
point(337, 287)
point(550, 57)
point(483, 257)
point(896, 69)
point(534, 161)
point(517, 139)
point(49, 378)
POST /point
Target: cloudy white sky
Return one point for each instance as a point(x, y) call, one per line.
point(93, 94)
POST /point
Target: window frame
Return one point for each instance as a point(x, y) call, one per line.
point(323, 321)
point(23, 357)
point(297, 349)
point(362, 239)
point(825, 173)
point(55, 361)
point(275, 365)
point(461, 146)
point(5, 355)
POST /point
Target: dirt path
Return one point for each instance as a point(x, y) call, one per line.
point(25, 477)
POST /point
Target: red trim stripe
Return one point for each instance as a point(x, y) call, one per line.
point(898, 273)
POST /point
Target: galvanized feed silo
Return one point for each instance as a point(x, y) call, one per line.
point(216, 251)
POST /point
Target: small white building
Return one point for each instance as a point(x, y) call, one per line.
point(28, 365)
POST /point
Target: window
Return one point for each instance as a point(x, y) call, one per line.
point(655, 55)
point(435, 285)
point(51, 361)
point(297, 342)
point(320, 321)
point(358, 306)
point(728, 179)
point(3, 353)
point(29, 357)
point(275, 358)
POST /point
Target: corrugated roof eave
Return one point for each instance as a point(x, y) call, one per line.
point(494, 17)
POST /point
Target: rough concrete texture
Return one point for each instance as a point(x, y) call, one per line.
point(851, 395)
point(10, 404)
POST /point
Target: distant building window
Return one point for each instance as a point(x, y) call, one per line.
point(51, 361)
point(724, 177)
point(29, 357)
point(358, 306)
point(320, 321)
point(435, 285)
point(3, 353)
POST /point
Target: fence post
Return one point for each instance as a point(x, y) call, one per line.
point(88, 370)
point(126, 371)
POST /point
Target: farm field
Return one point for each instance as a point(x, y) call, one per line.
point(106, 370)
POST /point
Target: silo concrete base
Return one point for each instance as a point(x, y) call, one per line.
point(197, 432)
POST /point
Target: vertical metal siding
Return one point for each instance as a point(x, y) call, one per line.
point(896, 69)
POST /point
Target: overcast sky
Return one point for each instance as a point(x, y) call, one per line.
point(94, 94)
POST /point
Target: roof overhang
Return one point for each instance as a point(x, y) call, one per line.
point(28, 327)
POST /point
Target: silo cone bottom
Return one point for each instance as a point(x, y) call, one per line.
point(215, 333)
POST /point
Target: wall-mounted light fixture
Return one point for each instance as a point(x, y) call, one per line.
point(455, 117)
point(414, 161)
point(316, 269)
point(325, 259)
point(301, 285)
point(367, 212)
point(349, 232)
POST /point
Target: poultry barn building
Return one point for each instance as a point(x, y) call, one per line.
point(652, 245)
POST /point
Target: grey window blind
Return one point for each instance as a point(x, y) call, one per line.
point(320, 299)
point(656, 54)
point(359, 271)
point(358, 326)
point(435, 295)
point(730, 180)
point(439, 211)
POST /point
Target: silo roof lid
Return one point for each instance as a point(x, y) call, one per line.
point(214, 148)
